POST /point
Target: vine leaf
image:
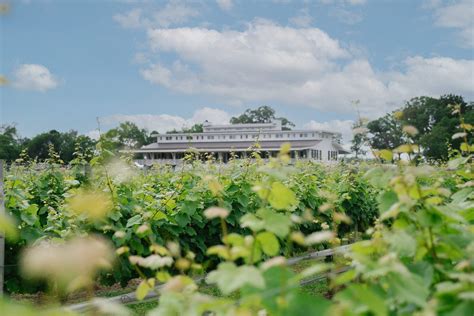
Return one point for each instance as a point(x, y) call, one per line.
point(229, 277)
point(281, 198)
point(269, 242)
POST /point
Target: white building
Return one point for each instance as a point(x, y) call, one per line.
point(224, 141)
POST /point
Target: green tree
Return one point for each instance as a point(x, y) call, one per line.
point(64, 143)
point(196, 128)
point(10, 146)
point(436, 123)
point(386, 132)
point(262, 114)
point(127, 134)
point(359, 140)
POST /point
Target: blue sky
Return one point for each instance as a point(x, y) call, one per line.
point(165, 64)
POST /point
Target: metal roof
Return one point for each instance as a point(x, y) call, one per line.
point(268, 145)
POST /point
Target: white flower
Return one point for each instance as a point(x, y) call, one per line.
point(319, 237)
point(214, 212)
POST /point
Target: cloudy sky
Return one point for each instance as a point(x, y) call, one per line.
point(169, 64)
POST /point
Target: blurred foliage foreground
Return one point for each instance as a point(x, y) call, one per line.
point(106, 222)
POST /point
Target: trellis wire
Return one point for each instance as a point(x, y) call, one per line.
point(129, 298)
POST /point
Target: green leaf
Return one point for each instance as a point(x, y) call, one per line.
point(385, 154)
point(269, 242)
point(234, 240)
point(7, 226)
point(402, 243)
point(409, 288)
point(386, 200)
point(345, 277)
point(303, 304)
point(229, 277)
point(361, 299)
point(135, 220)
point(251, 221)
point(159, 215)
point(280, 197)
point(144, 287)
point(277, 223)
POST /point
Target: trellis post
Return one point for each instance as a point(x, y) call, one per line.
point(2, 234)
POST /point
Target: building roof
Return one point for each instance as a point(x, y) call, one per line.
point(266, 145)
point(251, 132)
point(340, 149)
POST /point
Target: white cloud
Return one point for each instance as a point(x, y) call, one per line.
point(342, 2)
point(346, 16)
point(303, 19)
point(131, 19)
point(225, 5)
point(34, 77)
point(458, 15)
point(173, 13)
point(356, 2)
point(342, 126)
point(267, 62)
point(166, 122)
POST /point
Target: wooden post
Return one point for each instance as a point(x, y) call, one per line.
point(2, 235)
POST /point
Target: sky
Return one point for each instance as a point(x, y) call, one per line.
point(169, 64)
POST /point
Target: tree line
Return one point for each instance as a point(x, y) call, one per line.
point(126, 135)
point(432, 123)
point(432, 118)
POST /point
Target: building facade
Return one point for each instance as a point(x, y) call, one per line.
point(238, 140)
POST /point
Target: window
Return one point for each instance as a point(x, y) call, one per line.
point(210, 137)
point(189, 137)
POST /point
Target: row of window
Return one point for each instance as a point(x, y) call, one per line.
point(332, 155)
point(316, 154)
point(244, 136)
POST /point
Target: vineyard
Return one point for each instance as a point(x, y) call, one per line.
point(207, 238)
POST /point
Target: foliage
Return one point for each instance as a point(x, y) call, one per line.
point(56, 203)
point(262, 114)
point(386, 132)
point(359, 140)
point(240, 222)
point(128, 135)
point(10, 146)
point(196, 128)
point(434, 121)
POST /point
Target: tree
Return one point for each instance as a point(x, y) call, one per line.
point(63, 143)
point(262, 114)
point(436, 123)
point(359, 140)
point(10, 146)
point(128, 135)
point(386, 132)
point(434, 120)
point(196, 128)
